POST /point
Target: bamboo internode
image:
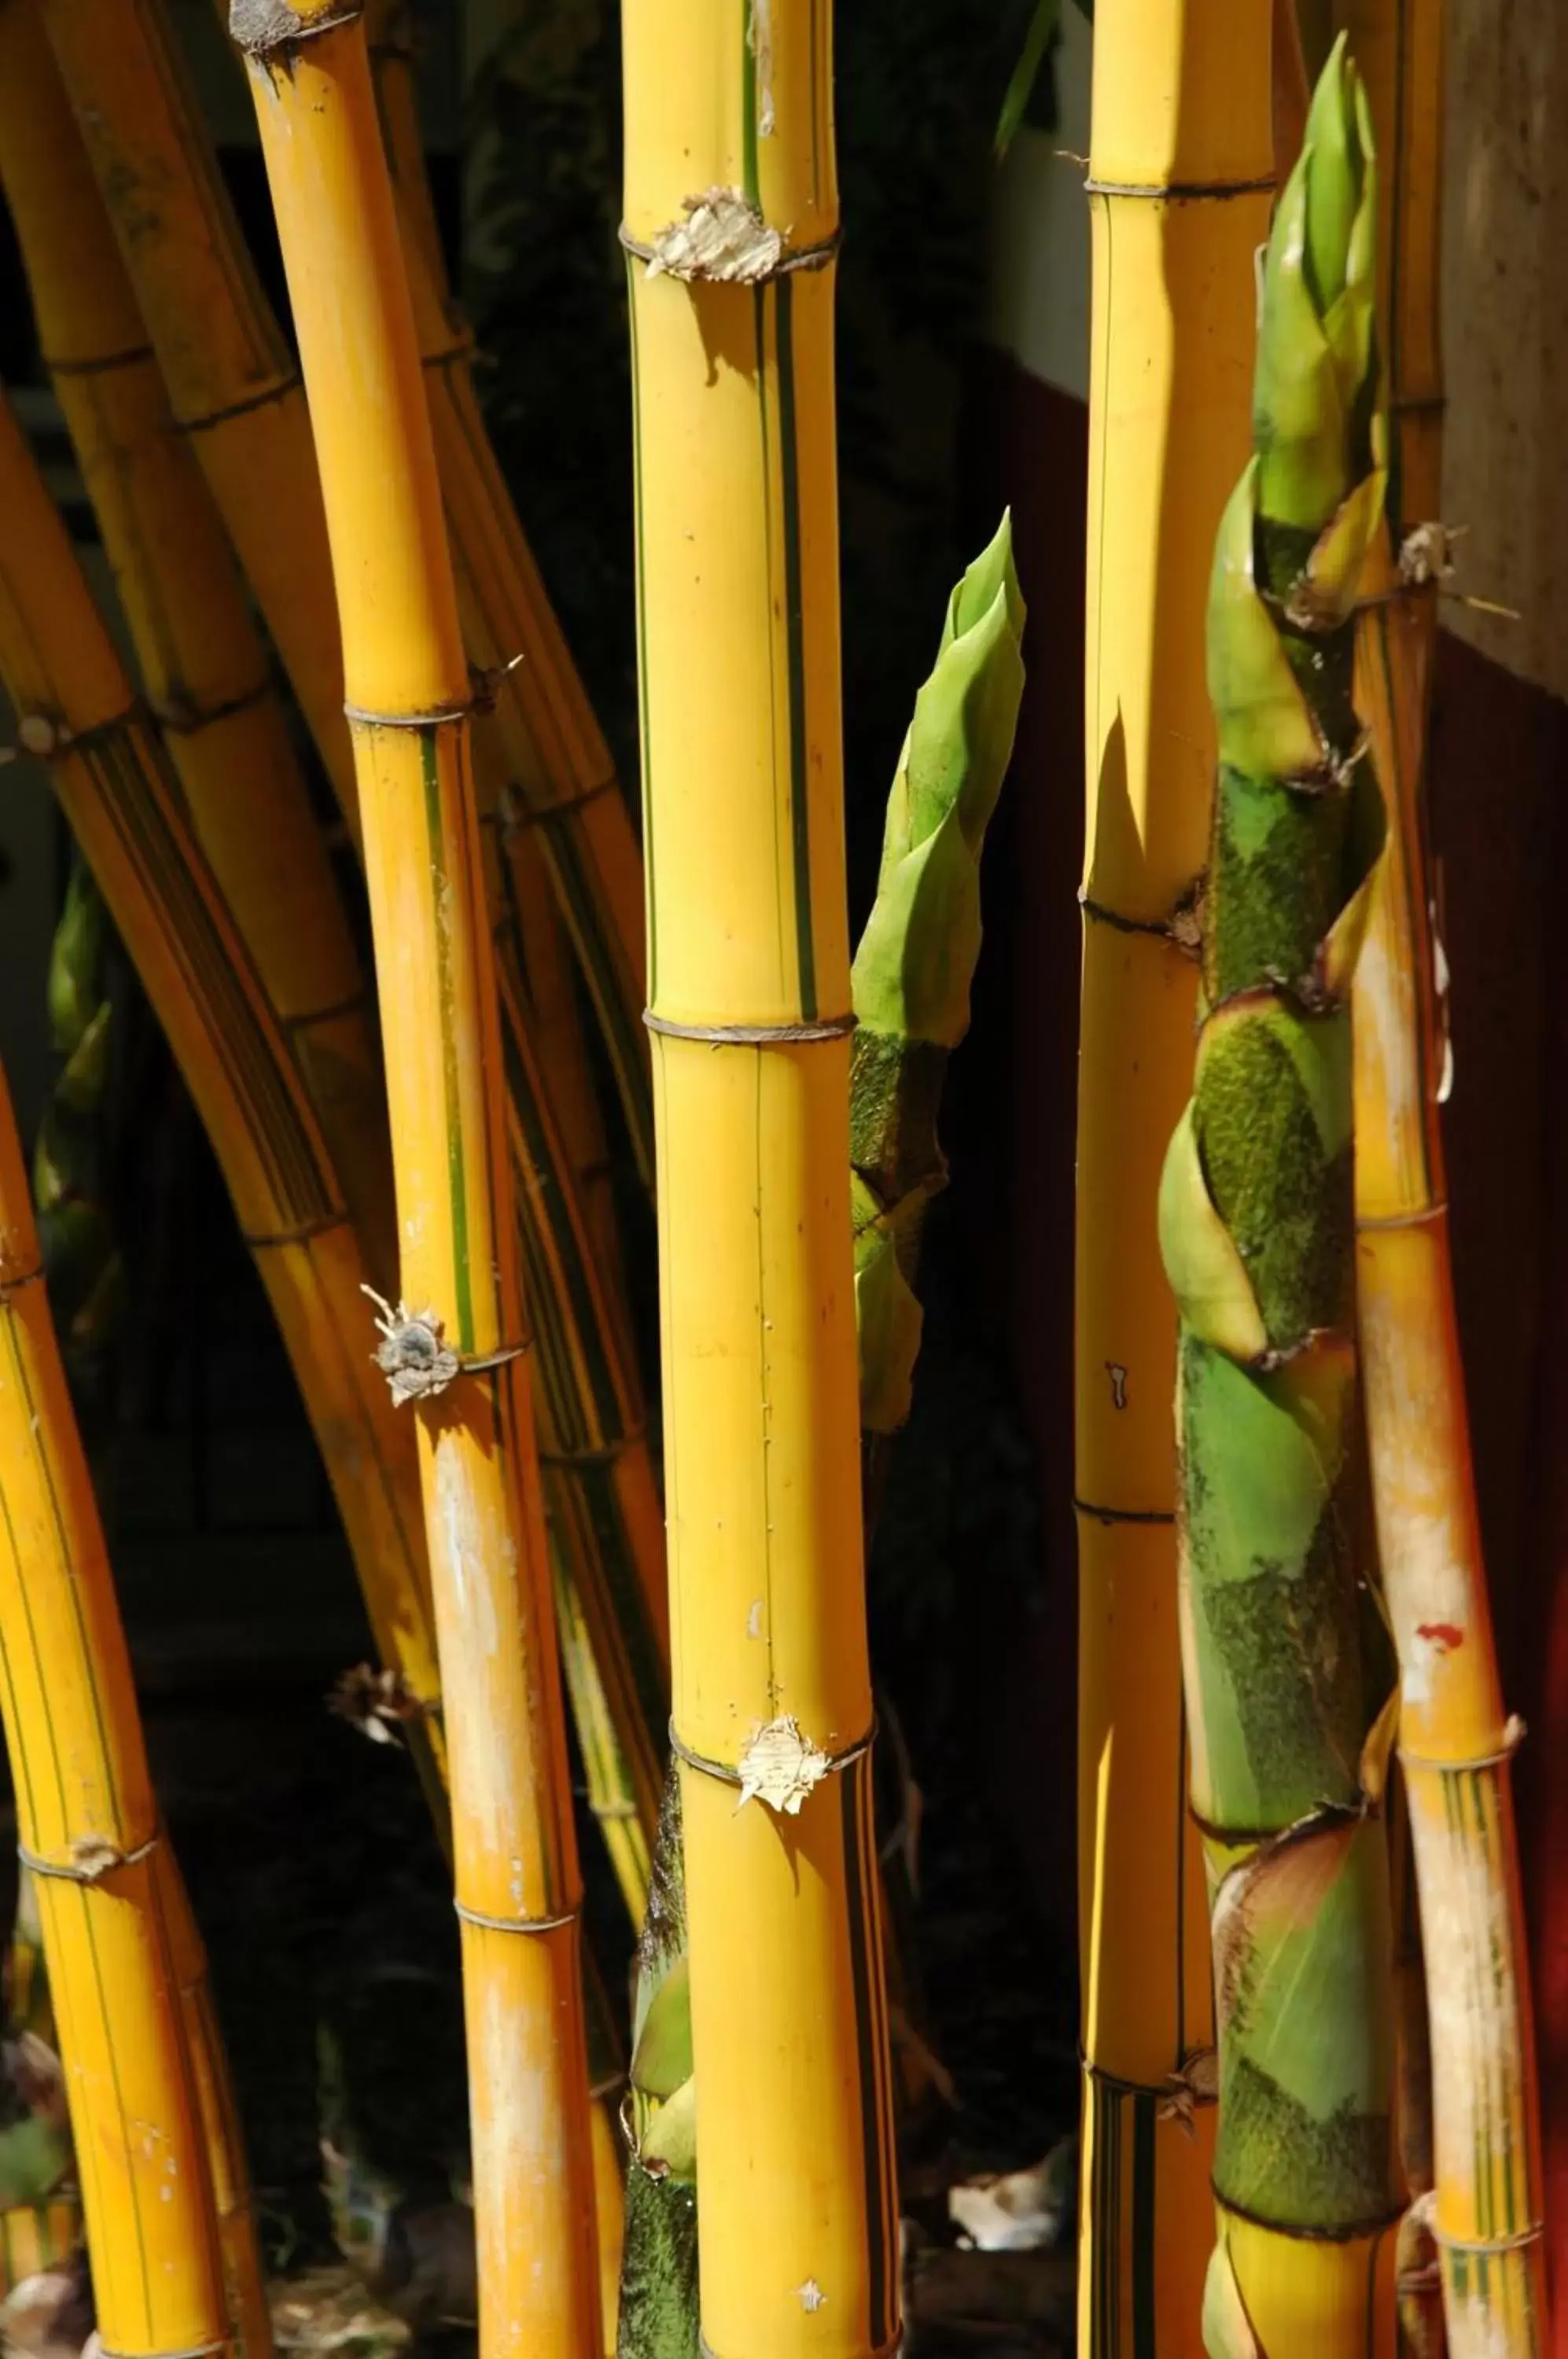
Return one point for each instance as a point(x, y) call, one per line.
point(408, 687)
point(731, 294)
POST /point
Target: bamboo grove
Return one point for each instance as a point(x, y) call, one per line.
point(1309, 2123)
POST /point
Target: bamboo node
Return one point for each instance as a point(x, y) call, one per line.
point(91, 1858)
point(751, 1036)
point(724, 239)
point(41, 734)
point(779, 1766)
point(412, 1354)
point(259, 27)
point(415, 1357)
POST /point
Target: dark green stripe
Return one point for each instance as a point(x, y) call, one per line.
point(751, 179)
point(799, 812)
point(1143, 2227)
point(645, 740)
point(429, 763)
point(880, 2325)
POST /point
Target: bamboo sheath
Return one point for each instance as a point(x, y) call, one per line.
point(89, 1830)
point(1455, 1738)
point(408, 683)
point(120, 795)
point(732, 319)
point(1180, 186)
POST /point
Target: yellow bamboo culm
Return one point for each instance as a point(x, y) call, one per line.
point(233, 384)
point(124, 804)
point(407, 681)
point(204, 666)
point(732, 303)
point(560, 798)
point(235, 391)
point(1179, 189)
point(89, 1832)
point(606, 1516)
point(1456, 1736)
point(609, 1520)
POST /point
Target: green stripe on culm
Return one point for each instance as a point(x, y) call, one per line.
point(751, 178)
point(429, 763)
point(794, 624)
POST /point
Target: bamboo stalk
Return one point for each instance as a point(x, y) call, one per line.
point(232, 382)
point(244, 2285)
point(541, 749)
point(124, 806)
point(1455, 1738)
point(202, 662)
point(732, 315)
point(89, 1833)
point(235, 391)
point(607, 1516)
point(408, 684)
point(1180, 196)
point(1284, 1684)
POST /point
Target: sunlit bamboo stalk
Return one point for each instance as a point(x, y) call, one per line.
point(1180, 188)
point(409, 691)
point(89, 1833)
point(732, 298)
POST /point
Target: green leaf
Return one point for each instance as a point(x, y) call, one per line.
point(1021, 87)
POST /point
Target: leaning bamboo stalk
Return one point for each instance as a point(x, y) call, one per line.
point(89, 1833)
point(1180, 184)
point(1285, 1685)
point(235, 391)
point(204, 664)
point(750, 1016)
point(119, 793)
point(207, 677)
point(1455, 1738)
point(233, 384)
point(408, 683)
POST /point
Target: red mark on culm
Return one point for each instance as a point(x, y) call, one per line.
point(1440, 1634)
